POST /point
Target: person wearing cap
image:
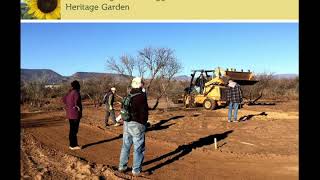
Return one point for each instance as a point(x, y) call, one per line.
point(73, 106)
point(108, 100)
point(234, 97)
point(134, 130)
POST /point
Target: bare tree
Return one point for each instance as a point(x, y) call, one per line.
point(150, 60)
point(128, 62)
point(34, 92)
point(155, 63)
point(256, 91)
point(155, 60)
point(95, 88)
point(125, 67)
point(141, 68)
point(171, 68)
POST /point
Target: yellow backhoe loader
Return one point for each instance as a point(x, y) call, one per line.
point(208, 87)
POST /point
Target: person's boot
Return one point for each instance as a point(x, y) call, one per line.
point(123, 170)
point(141, 174)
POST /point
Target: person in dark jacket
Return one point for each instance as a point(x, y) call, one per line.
point(200, 82)
point(73, 108)
point(234, 97)
point(134, 130)
point(108, 100)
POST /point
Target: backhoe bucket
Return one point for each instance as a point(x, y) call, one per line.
point(242, 78)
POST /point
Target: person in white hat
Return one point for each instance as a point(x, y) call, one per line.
point(134, 129)
point(108, 100)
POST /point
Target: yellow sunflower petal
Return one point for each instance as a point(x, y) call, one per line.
point(32, 4)
point(36, 14)
point(39, 14)
point(56, 13)
point(46, 16)
point(32, 8)
point(50, 16)
point(53, 16)
point(42, 16)
point(30, 11)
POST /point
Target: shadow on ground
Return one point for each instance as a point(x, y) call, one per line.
point(248, 117)
point(102, 141)
point(43, 122)
point(183, 150)
point(160, 126)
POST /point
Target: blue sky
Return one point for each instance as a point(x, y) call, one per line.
point(72, 47)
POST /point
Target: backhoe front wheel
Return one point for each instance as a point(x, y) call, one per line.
point(209, 104)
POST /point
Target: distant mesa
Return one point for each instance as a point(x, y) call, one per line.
point(182, 78)
point(86, 75)
point(44, 75)
point(285, 76)
point(49, 76)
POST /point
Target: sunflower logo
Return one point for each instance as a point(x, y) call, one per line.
point(44, 9)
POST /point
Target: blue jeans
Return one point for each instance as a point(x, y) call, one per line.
point(234, 106)
point(133, 132)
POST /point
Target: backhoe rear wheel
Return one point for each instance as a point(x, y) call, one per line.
point(210, 104)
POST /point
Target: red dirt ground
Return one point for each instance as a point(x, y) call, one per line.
point(179, 145)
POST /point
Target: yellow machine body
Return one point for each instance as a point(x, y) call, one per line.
point(214, 91)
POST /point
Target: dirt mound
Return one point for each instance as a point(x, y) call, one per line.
point(41, 162)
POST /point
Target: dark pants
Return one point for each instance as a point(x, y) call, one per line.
point(74, 126)
point(113, 116)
